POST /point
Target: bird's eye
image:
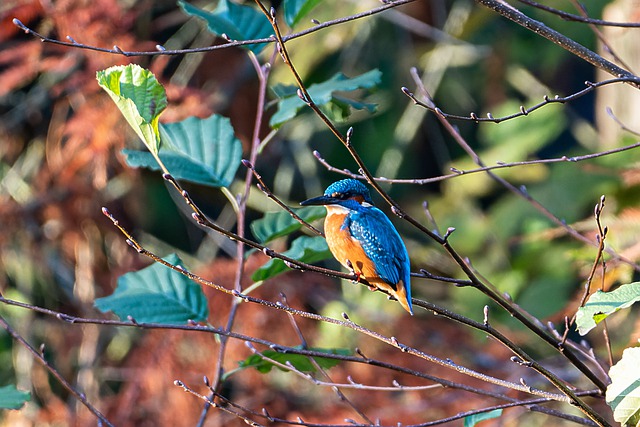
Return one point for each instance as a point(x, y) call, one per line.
point(341, 196)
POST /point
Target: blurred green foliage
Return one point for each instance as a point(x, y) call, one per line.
point(54, 240)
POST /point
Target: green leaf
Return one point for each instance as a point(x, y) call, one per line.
point(472, 420)
point(236, 21)
point(323, 95)
point(157, 294)
point(282, 91)
point(12, 398)
point(295, 10)
point(304, 249)
point(140, 98)
point(299, 361)
point(623, 394)
point(602, 304)
point(205, 151)
point(277, 224)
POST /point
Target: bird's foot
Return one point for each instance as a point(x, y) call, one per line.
point(353, 271)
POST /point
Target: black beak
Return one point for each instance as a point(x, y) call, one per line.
point(321, 200)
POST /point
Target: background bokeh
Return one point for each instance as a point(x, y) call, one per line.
point(60, 162)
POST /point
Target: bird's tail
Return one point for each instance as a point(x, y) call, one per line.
point(403, 295)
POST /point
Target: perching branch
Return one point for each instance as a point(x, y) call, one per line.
point(490, 291)
point(296, 350)
point(346, 141)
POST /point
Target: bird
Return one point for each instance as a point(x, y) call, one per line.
point(363, 239)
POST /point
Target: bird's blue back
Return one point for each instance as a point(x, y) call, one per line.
point(381, 243)
point(362, 238)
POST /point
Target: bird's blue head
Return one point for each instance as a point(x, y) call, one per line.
point(343, 193)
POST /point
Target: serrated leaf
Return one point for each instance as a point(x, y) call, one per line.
point(472, 420)
point(157, 294)
point(304, 249)
point(236, 21)
point(295, 10)
point(623, 394)
point(323, 95)
point(299, 361)
point(140, 98)
point(277, 224)
point(12, 398)
point(205, 151)
point(601, 304)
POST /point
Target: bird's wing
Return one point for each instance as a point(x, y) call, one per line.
point(381, 243)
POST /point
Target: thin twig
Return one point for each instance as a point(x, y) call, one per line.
point(606, 46)
point(346, 140)
point(515, 15)
point(577, 18)
point(602, 233)
point(235, 43)
point(209, 402)
point(531, 404)
point(204, 221)
point(620, 123)
point(507, 305)
point(389, 340)
point(473, 117)
point(457, 172)
point(297, 350)
point(53, 371)
point(262, 186)
point(262, 71)
point(320, 369)
point(520, 191)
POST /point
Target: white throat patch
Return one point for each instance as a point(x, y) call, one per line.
point(336, 210)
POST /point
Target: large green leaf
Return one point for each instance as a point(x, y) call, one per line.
point(299, 361)
point(277, 224)
point(140, 98)
point(323, 95)
point(157, 294)
point(205, 151)
point(12, 398)
point(623, 394)
point(304, 249)
point(236, 21)
point(602, 304)
point(295, 10)
point(472, 420)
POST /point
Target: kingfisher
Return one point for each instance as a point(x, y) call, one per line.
point(363, 239)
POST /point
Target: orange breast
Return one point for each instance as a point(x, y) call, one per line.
point(344, 247)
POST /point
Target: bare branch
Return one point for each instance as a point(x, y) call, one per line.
point(522, 191)
point(262, 186)
point(515, 311)
point(560, 39)
point(39, 356)
point(577, 18)
point(160, 50)
point(523, 111)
